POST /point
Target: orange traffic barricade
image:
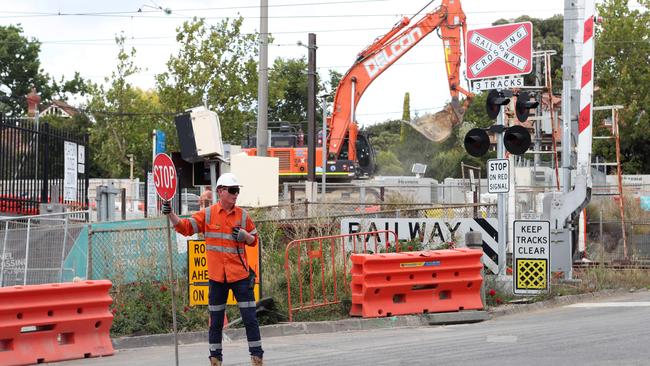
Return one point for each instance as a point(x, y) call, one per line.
point(416, 282)
point(55, 322)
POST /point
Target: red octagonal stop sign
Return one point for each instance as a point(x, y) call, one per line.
point(164, 176)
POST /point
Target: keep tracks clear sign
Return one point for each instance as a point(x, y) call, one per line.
point(531, 256)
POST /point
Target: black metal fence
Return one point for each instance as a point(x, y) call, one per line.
point(32, 164)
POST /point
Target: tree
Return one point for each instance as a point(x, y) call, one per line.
point(20, 70)
point(406, 116)
point(334, 81)
point(622, 76)
point(215, 64)
point(125, 117)
point(288, 90)
point(388, 164)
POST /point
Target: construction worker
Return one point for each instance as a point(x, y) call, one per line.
point(205, 200)
point(227, 228)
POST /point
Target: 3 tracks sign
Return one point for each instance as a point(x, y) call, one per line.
point(502, 50)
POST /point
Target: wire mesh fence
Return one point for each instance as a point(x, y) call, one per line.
point(319, 211)
point(604, 229)
point(34, 248)
point(133, 252)
point(125, 252)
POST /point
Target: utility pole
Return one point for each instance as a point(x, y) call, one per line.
point(538, 122)
point(311, 186)
point(311, 109)
point(263, 83)
point(324, 148)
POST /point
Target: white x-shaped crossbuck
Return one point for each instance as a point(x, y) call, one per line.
point(499, 51)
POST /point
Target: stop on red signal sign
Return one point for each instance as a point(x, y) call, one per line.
point(164, 176)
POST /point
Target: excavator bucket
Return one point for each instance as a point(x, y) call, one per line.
point(438, 126)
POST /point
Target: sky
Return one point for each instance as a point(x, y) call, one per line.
point(79, 36)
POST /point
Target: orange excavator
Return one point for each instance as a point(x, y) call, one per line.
point(349, 153)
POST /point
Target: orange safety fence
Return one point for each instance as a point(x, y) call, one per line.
point(330, 256)
point(416, 282)
point(55, 322)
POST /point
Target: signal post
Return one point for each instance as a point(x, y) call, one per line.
point(496, 59)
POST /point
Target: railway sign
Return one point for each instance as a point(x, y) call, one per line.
point(502, 50)
point(531, 256)
point(164, 176)
point(498, 174)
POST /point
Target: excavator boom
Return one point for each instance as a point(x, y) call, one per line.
point(449, 19)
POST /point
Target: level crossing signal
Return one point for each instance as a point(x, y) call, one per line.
point(495, 100)
point(516, 139)
point(477, 142)
point(524, 105)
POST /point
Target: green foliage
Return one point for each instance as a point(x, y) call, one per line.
point(388, 164)
point(20, 70)
point(145, 308)
point(125, 117)
point(406, 116)
point(216, 64)
point(19, 67)
point(622, 76)
point(334, 80)
point(288, 90)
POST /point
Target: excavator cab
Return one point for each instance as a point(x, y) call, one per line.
point(365, 156)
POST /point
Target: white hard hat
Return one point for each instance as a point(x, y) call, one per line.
point(228, 180)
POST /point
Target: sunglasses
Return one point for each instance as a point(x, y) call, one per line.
point(233, 190)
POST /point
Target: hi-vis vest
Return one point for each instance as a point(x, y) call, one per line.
point(226, 257)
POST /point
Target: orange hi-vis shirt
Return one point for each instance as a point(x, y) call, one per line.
point(227, 260)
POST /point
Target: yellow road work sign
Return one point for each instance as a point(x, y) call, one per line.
point(197, 273)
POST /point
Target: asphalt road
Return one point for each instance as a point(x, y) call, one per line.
point(606, 331)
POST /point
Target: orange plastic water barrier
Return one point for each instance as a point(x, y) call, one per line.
point(416, 282)
point(55, 322)
point(320, 264)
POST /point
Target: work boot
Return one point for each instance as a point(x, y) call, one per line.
point(215, 361)
point(256, 361)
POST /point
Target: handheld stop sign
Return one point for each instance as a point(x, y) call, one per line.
point(164, 179)
point(164, 176)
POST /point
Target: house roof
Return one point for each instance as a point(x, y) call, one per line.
point(65, 107)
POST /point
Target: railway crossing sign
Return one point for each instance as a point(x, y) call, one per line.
point(531, 256)
point(502, 50)
point(164, 176)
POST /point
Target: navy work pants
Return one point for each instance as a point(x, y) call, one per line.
point(245, 297)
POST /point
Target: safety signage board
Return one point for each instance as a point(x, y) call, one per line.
point(498, 174)
point(500, 51)
point(531, 256)
point(197, 273)
point(500, 83)
point(432, 231)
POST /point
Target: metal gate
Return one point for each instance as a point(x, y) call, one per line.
point(33, 249)
point(32, 160)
